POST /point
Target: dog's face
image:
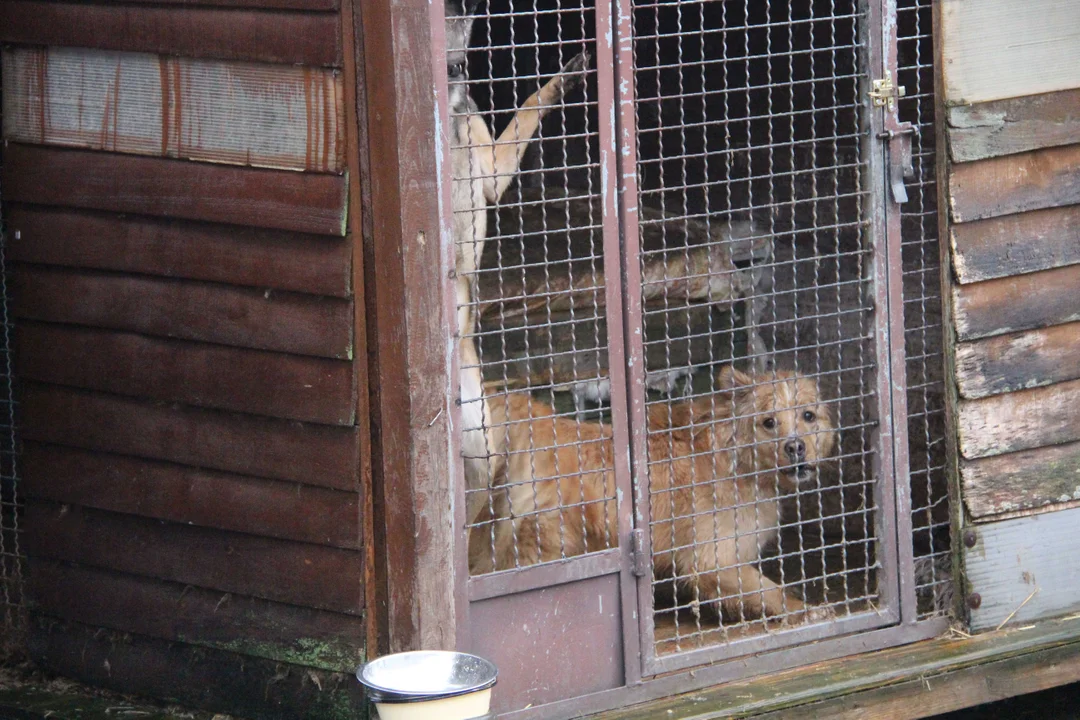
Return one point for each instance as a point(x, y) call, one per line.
point(781, 413)
point(459, 22)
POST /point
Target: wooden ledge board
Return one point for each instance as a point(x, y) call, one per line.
point(163, 187)
point(300, 38)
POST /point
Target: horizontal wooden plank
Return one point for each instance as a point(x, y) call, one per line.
point(1018, 361)
point(279, 199)
point(301, 38)
point(319, 455)
point(1010, 304)
point(277, 116)
point(993, 49)
point(241, 317)
point(1014, 244)
point(1015, 183)
point(179, 613)
point(292, 387)
point(314, 264)
point(1020, 420)
point(1029, 561)
point(1004, 127)
point(1021, 480)
point(197, 677)
point(166, 491)
point(312, 5)
point(304, 574)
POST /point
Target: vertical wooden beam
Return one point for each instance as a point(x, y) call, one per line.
point(358, 167)
point(412, 351)
point(952, 453)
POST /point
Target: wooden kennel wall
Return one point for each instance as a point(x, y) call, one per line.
point(182, 206)
point(224, 215)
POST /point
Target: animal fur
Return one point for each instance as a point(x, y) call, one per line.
point(718, 466)
point(481, 171)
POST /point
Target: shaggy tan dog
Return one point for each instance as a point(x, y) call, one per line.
point(716, 468)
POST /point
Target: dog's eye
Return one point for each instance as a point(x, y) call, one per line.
point(456, 70)
point(768, 423)
point(809, 416)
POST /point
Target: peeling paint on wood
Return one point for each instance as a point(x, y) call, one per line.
point(1018, 361)
point(1015, 183)
point(1004, 127)
point(1030, 559)
point(1011, 304)
point(1022, 480)
point(263, 115)
point(1016, 244)
point(1020, 420)
point(995, 49)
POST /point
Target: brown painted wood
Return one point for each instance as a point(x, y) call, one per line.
point(199, 677)
point(314, 264)
point(411, 319)
point(240, 113)
point(162, 187)
point(1021, 480)
point(179, 613)
point(166, 491)
point(1019, 360)
point(1020, 420)
point(1015, 183)
point(1005, 127)
point(1011, 304)
point(240, 317)
point(318, 455)
point(312, 5)
point(313, 576)
point(300, 38)
point(1014, 244)
point(292, 387)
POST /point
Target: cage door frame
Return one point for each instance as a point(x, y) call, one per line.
point(892, 524)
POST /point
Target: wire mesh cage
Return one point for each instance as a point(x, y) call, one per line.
point(671, 267)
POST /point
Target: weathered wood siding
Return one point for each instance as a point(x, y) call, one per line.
point(193, 407)
point(1012, 127)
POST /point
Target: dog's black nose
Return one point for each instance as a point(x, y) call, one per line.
point(795, 449)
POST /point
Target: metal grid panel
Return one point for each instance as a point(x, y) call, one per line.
point(922, 317)
point(751, 126)
point(11, 552)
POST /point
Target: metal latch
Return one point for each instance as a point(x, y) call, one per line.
point(885, 93)
point(897, 134)
point(641, 563)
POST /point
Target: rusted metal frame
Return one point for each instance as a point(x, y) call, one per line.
point(359, 228)
point(786, 658)
point(519, 580)
point(885, 444)
point(957, 516)
point(618, 166)
point(638, 638)
point(412, 341)
point(897, 335)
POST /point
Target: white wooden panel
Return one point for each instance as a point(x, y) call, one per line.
point(265, 115)
point(996, 49)
point(1014, 558)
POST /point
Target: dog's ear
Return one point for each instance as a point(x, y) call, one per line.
point(470, 6)
point(731, 378)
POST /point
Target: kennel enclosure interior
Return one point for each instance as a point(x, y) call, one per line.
point(775, 360)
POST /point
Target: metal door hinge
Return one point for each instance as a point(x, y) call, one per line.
point(885, 93)
point(641, 563)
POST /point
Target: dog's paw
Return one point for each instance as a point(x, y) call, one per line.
point(578, 64)
point(571, 75)
point(820, 614)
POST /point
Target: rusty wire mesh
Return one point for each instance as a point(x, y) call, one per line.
point(922, 317)
point(756, 245)
point(750, 118)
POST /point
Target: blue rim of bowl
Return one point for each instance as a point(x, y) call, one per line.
point(380, 694)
